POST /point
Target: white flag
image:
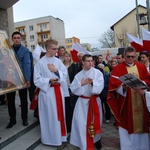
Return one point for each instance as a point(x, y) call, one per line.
point(77, 48)
point(135, 42)
point(146, 39)
point(37, 52)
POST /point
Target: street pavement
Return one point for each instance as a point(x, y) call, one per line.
point(110, 137)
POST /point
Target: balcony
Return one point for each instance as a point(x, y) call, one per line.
point(41, 41)
point(41, 31)
point(23, 32)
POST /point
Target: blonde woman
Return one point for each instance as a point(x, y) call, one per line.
point(70, 101)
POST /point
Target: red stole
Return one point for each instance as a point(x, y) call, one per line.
point(60, 112)
point(93, 116)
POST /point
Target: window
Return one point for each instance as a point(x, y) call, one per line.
point(23, 39)
point(44, 36)
point(43, 26)
point(21, 30)
point(31, 37)
point(43, 46)
point(32, 47)
point(31, 28)
point(69, 41)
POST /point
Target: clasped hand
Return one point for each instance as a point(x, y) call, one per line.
point(52, 68)
point(54, 81)
point(125, 87)
point(139, 91)
point(88, 81)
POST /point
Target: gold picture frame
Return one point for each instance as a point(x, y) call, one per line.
point(11, 76)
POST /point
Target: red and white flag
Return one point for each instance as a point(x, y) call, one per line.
point(77, 48)
point(135, 42)
point(146, 39)
point(37, 52)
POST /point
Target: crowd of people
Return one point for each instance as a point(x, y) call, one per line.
point(73, 97)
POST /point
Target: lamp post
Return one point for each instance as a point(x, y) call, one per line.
point(137, 18)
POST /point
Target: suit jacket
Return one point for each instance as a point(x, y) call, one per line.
point(23, 57)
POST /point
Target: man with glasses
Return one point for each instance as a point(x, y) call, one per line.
point(49, 73)
point(127, 105)
point(87, 116)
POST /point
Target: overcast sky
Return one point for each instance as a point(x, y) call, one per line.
point(85, 19)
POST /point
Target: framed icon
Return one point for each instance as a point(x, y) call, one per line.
point(11, 76)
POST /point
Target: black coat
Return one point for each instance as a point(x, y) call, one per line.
point(72, 71)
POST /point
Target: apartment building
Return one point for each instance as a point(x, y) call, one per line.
point(38, 30)
point(70, 41)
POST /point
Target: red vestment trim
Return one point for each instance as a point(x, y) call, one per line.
point(60, 112)
point(93, 116)
point(34, 101)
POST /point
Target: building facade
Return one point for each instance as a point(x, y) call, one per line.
point(86, 46)
point(128, 24)
point(70, 41)
point(38, 30)
point(6, 16)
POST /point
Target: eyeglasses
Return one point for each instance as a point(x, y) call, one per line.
point(88, 60)
point(54, 48)
point(130, 57)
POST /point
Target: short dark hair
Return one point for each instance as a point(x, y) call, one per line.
point(61, 47)
point(120, 54)
point(16, 32)
point(146, 53)
point(129, 49)
point(99, 56)
point(86, 56)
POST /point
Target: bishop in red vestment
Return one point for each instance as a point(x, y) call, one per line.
point(128, 107)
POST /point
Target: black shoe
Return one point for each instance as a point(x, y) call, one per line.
point(25, 122)
point(98, 145)
point(68, 137)
point(10, 125)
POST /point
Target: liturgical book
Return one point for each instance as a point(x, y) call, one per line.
point(131, 81)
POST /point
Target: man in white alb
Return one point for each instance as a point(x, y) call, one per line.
point(87, 117)
point(49, 73)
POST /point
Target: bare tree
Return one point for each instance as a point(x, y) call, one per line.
point(107, 39)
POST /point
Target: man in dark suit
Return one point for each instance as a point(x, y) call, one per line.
point(23, 56)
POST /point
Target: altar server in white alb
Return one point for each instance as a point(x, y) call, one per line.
point(87, 117)
point(49, 73)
